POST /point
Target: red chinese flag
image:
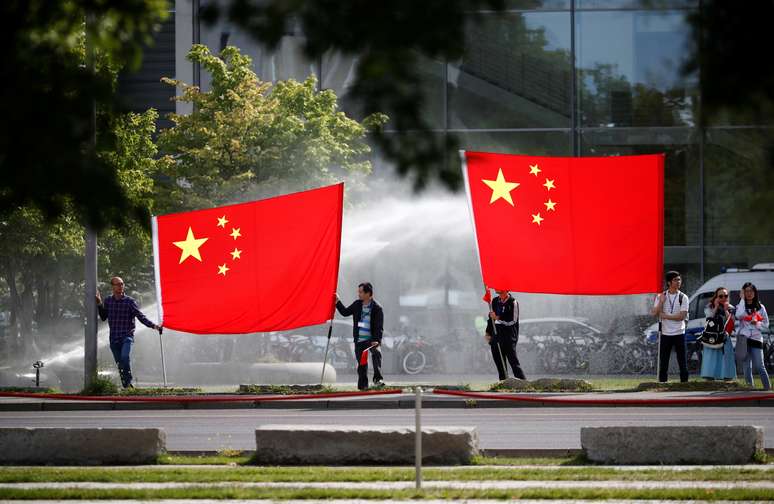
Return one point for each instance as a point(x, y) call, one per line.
point(568, 225)
point(487, 298)
point(266, 265)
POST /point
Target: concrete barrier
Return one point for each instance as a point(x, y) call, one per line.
point(340, 445)
point(66, 446)
point(684, 444)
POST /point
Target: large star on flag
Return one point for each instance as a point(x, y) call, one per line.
point(190, 246)
point(501, 188)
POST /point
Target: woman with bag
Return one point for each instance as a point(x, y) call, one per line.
point(717, 362)
point(752, 317)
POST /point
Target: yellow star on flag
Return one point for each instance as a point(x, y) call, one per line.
point(549, 185)
point(501, 188)
point(534, 170)
point(222, 269)
point(222, 221)
point(235, 233)
point(236, 254)
point(537, 219)
point(550, 205)
point(190, 246)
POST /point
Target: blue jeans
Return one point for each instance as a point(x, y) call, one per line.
point(754, 360)
point(121, 350)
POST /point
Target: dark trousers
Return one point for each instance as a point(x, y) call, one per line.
point(504, 350)
point(665, 350)
point(362, 371)
point(121, 350)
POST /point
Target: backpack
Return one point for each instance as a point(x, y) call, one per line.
point(714, 334)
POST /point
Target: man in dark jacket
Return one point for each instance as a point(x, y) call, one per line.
point(368, 318)
point(502, 332)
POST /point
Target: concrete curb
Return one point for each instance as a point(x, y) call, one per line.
point(404, 401)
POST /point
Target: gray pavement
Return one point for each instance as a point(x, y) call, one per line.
point(499, 428)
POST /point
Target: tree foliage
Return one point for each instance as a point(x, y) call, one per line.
point(247, 138)
point(46, 99)
point(389, 39)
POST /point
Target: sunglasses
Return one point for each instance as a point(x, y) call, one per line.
point(722, 295)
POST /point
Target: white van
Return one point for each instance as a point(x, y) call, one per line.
point(761, 275)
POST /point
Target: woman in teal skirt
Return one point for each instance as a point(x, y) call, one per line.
point(719, 363)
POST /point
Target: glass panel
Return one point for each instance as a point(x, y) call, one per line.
point(636, 4)
point(339, 72)
point(681, 177)
point(287, 61)
point(738, 198)
point(629, 69)
point(535, 143)
point(515, 73)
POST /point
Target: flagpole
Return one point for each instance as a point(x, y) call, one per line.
point(499, 350)
point(163, 365)
point(325, 357)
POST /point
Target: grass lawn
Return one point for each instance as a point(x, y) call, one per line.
point(163, 474)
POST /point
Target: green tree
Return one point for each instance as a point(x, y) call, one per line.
point(390, 39)
point(46, 97)
point(41, 260)
point(247, 138)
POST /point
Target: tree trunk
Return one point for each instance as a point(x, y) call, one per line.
point(13, 327)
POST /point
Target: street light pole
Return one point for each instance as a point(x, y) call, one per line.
point(90, 254)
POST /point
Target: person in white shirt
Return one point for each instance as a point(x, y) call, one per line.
point(671, 307)
point(752, 317)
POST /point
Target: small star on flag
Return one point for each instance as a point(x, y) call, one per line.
point(236, 254)
point(222, 221)
point(550, 205)
point(549, 184)
point(235, 233)
point(223, 269)
point(537, 219)
point(534, 170)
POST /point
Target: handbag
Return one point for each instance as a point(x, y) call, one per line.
point(714, 334)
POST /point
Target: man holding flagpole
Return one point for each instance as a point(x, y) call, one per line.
point(368, 325)
point(503, 333)
point(120, 311)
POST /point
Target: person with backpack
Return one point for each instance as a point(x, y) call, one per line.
point(671, 307)
point(752, 317)
point(717, 360)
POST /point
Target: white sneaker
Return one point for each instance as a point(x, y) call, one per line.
point(378, 383)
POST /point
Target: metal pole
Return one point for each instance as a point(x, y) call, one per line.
point(499, 350)
point(418, 436)
point(163, 365)
point(90, 254)
point(325, 356)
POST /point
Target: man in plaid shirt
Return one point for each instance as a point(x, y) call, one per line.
point(120, 311)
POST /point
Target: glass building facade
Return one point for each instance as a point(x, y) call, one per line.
point(582, 78)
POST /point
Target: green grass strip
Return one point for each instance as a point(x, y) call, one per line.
point(735, 494)
point(367, 474)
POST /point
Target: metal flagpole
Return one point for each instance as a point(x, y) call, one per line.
point(499, 351)
point(163, 365)
point(325, 357)
point(418, 436)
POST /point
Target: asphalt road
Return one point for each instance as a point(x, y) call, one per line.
point(503, 428)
